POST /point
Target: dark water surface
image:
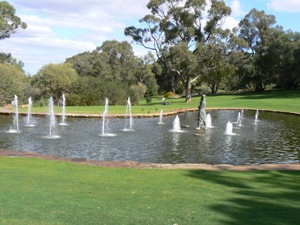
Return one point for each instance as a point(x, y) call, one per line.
point(274, 139)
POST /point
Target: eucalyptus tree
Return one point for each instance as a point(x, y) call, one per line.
point(258, 30)
point(219, 69)
point(7, 58)
point(9, 22)
point(295, 75)
point(112, 60)
point(145, 74)
point(174, 31)
point(284, 53)
point(121, 60)
point(113, 63)
point(92, 64)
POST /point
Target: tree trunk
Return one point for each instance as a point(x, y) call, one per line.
point(258, 85)
point(188, 89)
point(214, 88)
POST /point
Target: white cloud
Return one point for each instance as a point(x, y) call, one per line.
point(121, 8)
point(236, 8)
point(39, 51)
point(236, 12)
point(58, 29)
point(230, 23)
point(290, 6)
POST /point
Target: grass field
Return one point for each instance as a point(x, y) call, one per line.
point(37, 191)
point(272, 100)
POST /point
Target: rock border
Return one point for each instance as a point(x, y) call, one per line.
point(139, 165)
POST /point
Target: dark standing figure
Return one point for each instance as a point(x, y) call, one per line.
point(202, 113)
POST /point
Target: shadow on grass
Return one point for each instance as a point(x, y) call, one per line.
point(270, 95)
point(255, 197)
point(263, 95)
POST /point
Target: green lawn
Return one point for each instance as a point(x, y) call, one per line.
point(36, 191)
point(273, 100)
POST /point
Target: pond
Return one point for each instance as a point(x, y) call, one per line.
point(274, 138)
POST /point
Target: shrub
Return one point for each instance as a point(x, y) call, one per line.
point(39, 103)
point(73, 100)
point(169, 94)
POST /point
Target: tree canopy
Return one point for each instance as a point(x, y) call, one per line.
point(9, 22)
point(12, 83)
point(177, 30)
point(55, 79)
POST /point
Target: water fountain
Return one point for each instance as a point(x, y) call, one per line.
point(228, 130)
point(208, 121)
point(176, 125)
point(105, 122)
point(63, 115)
point(256, 117)
point(29, 121)
point(52, 120)
point(15, 127)
point(239, 119)
point(128, 115)
point(161, 114)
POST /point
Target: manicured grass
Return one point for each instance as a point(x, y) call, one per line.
point(272, 100)
point(36, 191)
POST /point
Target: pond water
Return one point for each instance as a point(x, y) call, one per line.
point(274, 138)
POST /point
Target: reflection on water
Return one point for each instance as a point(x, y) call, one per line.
point(273, 139)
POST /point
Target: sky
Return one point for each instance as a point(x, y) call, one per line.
point(58, 29)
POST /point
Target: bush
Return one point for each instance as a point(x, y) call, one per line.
point(73, 100)
point(93, 91)
point(39, 103)
point(148, 100)
point(169, 94)
point(203, 89)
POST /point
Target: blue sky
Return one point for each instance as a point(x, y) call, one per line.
point(58, 29)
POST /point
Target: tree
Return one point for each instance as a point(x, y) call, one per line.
point(9, 22)
point(258, 31)
point(12, 82)
point(113, 60)
point(219, 69)
point(88, 90)
point(121, 60)
point(176, 29)
point(7, 58)
point(284, 55)
point(91, 64)
point(295, 75)
point(145, 75)
point(55, 79)
point(114, 63)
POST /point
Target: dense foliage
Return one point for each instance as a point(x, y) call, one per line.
point(112, 71)
point(12, 83)
point(180, 32)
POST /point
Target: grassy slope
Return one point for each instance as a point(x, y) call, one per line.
point(35, 191)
